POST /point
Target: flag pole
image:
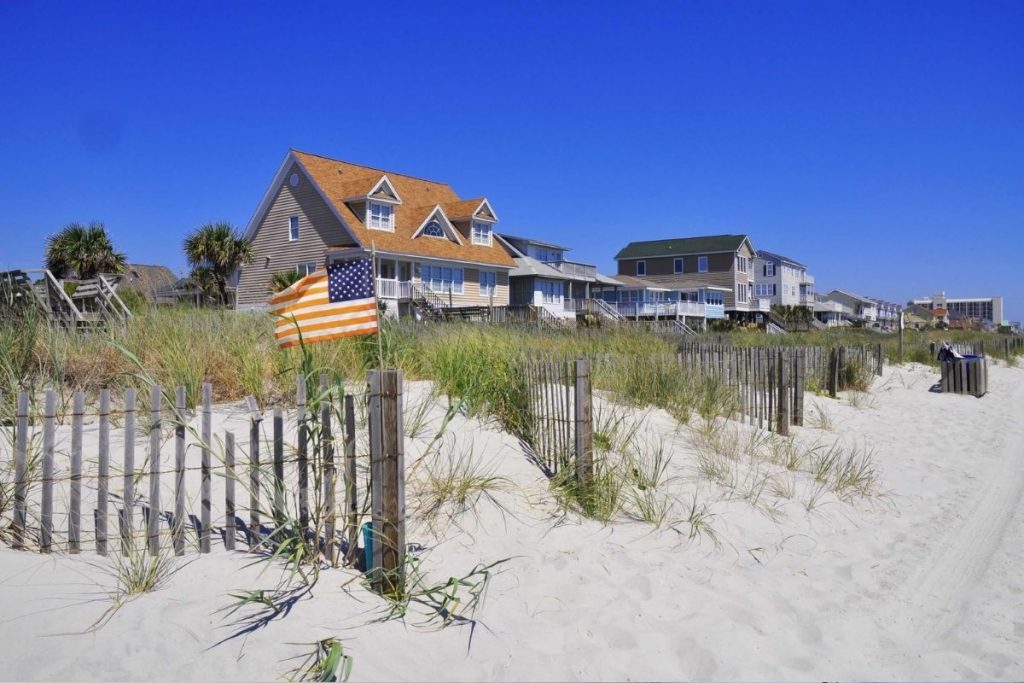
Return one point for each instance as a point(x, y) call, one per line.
point(380, 323)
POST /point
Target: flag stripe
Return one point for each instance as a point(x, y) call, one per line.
point(290, 296)
point(316, 311)
point(365, 328)
point(326, 324)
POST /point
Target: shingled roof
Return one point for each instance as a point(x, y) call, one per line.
point(339, 181)
point(709, 244)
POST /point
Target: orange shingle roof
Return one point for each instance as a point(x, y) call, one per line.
point(338, 180)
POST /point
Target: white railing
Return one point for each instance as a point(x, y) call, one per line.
point(573, 268)
point(660, 309)
point(762, 305)
point(393, 289)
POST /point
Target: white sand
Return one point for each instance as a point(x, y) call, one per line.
point(923, 582)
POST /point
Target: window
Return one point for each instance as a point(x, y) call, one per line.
point(551, 291)
point(742, 264)
point(677, 265)
point(382, 216)
point(433, 229)
point(714, 298)
point(481, 233)
point(293, 228)
point(488, 282)
point(741, 293)
point(702, 264)
point(641, 268)
point(439, 279)
point(769, 269)
point(305, 269)
point(764, 289)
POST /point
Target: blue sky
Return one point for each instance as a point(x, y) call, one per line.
point(880, 143)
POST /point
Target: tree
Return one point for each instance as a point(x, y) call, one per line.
point(82, 251)
point(215, 251)
point(283, 280)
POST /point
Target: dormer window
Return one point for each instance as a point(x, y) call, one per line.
point(381, 216)
point(482, 233)
point(433, 229)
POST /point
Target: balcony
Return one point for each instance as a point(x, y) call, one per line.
point(574, 269)
point(761, 304)
point(807, 279)
point(394, 289)
point(662, 309)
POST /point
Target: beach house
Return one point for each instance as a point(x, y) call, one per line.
point(782, 280)
point(854, 307)
point(985, 310)
point(714, 263)
point(544, 278)
point(435, 250)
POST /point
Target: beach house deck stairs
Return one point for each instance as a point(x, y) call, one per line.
point(603, 310)
point(772, 328)
point(92, 303)
point(429, 305)
point(683, 328)
point(774, 324)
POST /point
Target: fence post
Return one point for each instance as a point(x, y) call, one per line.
point(255, 418)
point(20, 472)
point(178, 529)
point(277, 511)
point(351, 502)
point(584, 424)
point(303, 452)
point(784, 396)
point(388, 462)
point(901, 339)
point(126, 522)
point(833, 372)
point(880, 362)
point(205, 493)
point(75, 516)
point(229, 490)
point(103, 483)
point(153, 522)
point(327, 440)
point(46, 512)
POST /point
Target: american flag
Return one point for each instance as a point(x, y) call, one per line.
point(327, 304)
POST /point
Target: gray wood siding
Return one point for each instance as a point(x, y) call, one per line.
point(721, 272)
point(272, 250)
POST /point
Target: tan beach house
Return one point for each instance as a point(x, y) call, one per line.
point(434, 249)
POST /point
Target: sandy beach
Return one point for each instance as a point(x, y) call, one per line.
point(918, 578)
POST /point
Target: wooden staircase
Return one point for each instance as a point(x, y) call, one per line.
point(94, 304)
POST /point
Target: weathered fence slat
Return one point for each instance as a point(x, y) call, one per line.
point(329, 482)
point(46, 509)
point(21, 471)
point(389, 509)
point(178, 527)
point(206, 494)
point(229, 491)
point(153, 520)
point(75, 512)
point(302, 452)
point(255, 418)
point(103, 482)
point(126, 523)
point(351, 502)
point(584, 424)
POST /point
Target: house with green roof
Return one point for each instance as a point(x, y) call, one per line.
point(714, 262)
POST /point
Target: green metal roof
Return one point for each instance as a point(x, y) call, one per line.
point(685, 245)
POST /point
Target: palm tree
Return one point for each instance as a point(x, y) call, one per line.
point(82, 251)
point(215, 251)
point(283, 280)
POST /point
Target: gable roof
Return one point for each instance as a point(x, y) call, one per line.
point(855, 297)
point(148, 279)
point(535, 242)
point(771, 256)
point(337, 181)
point(707, 244)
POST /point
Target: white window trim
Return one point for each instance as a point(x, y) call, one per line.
point(640, 263)
point(424, 233)
point(370, 204)
point(472, 232)
point(702, 264)
point(303, 268)
point(492, 288)
point(678, 261)
point(769, 269)
point(298, 231)
point(426, 281)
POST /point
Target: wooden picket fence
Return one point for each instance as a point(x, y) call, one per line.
point(560, 400)
point(268, 481)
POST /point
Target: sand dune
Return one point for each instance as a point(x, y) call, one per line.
point(918, 580)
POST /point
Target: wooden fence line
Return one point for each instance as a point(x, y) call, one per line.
point(264, 478)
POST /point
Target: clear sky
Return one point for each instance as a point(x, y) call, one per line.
point(880, 143)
